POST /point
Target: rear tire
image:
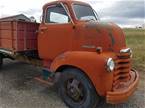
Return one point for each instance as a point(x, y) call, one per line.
point(1, 61)
point(76, 90)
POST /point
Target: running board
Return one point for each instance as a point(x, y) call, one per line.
point(6, 51)
point(48, 82)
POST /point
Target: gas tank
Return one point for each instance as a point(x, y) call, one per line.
point(91, 35)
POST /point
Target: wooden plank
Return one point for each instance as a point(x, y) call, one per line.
point(12, 36)
point(18, 35)
point(25, 35)
point(0, 34)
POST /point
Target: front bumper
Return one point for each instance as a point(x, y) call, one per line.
point(125, 91)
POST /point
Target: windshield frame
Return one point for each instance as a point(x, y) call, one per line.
point(72, 5)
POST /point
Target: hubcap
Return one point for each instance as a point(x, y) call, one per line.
point(75, 90)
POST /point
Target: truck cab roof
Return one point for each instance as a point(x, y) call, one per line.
point(66, 2)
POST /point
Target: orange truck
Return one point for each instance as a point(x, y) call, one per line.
point(87, 59)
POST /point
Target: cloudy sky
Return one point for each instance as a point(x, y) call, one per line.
point(126, 13)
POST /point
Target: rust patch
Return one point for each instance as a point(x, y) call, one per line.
point(112, 38)
point(93, 25)
point(98, 27)
point(110, 34)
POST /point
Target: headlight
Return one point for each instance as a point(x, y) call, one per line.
point(110, 65)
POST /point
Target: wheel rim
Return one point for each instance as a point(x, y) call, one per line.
point(75, 90)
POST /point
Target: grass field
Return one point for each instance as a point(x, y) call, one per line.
point(136, 41)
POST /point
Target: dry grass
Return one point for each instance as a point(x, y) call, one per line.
point(136, 41)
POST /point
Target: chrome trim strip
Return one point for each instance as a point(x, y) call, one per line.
point(88, 46)
point(127, 50)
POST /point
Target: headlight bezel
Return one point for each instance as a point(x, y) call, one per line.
point(110, 65)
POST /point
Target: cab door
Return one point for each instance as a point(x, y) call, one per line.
point(56, 32)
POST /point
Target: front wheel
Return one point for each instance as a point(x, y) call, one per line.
point(76, 90)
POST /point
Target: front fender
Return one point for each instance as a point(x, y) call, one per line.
point(92, 64)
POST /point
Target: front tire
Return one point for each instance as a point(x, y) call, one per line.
point(76, 90)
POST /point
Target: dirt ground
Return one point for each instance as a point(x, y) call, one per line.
point(18, 89)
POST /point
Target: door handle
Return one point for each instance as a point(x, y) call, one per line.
point(42, 29)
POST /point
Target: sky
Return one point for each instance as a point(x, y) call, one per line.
point(126, 13)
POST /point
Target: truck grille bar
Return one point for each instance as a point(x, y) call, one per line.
point(123, 67)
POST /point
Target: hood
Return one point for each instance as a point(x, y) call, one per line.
point(99, 34)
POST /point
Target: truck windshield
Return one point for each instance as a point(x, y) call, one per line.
point(84, 12)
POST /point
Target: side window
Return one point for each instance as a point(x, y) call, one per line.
point(56, 14)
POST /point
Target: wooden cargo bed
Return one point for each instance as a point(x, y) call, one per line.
point(18, 36)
